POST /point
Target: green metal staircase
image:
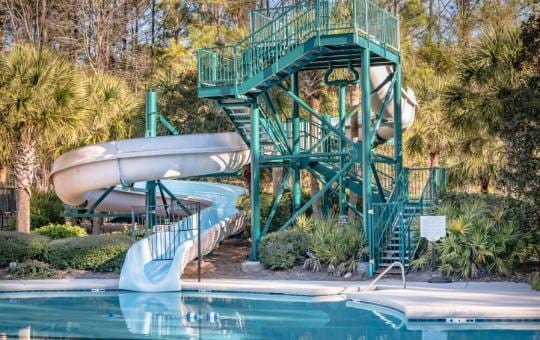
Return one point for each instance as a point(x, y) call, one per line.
point(319, 35)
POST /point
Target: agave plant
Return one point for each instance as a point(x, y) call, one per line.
point(334, 244)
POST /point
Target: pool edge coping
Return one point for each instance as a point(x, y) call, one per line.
point(311, 289)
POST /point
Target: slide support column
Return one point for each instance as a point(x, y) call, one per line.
point(255, 184)
point(398, 131)
point(151, 131)
point(342, 108)
point(366, 157)
point(297, 192)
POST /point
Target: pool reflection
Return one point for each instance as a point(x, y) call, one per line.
point(191, 315)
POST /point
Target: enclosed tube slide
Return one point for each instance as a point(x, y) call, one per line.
point(409, 105)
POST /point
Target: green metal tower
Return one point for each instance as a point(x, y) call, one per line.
point(327, 35)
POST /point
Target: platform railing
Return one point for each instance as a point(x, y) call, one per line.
point(290, 27)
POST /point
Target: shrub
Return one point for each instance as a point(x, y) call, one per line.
point(334, 244)
point(45, 208)
point(58, 231)
point(33, 269)
point(139, 233)
point(483, 237)
point(283, 250)
point(535, 282)
point(102, 253)
point(18, 247)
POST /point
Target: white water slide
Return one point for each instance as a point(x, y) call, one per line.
point(83, 175)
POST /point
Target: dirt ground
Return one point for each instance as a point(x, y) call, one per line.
point(226, 260)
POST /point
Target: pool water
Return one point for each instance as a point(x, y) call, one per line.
point(222, 316)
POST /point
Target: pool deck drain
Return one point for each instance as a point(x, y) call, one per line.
point(420, 301)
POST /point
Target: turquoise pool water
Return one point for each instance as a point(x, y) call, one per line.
point(221, 316)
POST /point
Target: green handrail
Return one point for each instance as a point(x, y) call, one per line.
point(294, 25)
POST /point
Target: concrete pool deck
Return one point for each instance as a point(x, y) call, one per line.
point(420, 301)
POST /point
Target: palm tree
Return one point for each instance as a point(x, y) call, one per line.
point(430, 134)
point(40, 100)
point(475, 107)
point(110, 111)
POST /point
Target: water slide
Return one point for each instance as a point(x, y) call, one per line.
point(409, 105)
point(83, 174)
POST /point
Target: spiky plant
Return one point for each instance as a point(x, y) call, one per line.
point(479, 244)
point(334, 244)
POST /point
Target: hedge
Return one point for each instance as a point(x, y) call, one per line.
point(102, 253)
point(18, 247)
point(283, 250)
point(58, 231)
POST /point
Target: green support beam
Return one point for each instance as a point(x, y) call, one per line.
point(366, 155)
point(151, 131)
point(297, 183)
point(255, 182)
point(398, 155)
point(342, 88)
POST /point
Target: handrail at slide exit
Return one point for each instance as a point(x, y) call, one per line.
point(372, 284)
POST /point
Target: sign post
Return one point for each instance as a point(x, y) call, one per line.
point(433, 228)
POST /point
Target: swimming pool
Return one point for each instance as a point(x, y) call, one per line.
point(222, 315)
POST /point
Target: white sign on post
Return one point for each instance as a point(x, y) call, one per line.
point(433, 227)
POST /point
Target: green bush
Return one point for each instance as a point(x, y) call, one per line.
point(58, 231)
point(282, 215)
point(283, 250)
point(102, 253)
point(535, 282)
point(32, 269)
point(332, 243)
point(139, 233)
point(18, 247)
point(36, 221)
point(522, 214)
point(45, 208)
point(481, 239)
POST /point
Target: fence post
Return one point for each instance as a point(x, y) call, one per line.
point(199, 251)
point(402, 241)
point(133, 225)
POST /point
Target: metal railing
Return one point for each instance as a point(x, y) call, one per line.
point(171, 225)
point(276, 33)
point(414, 191)
point(380, 276)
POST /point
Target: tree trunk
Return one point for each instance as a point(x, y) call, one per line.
point(24, 163)
point(315, 102)
point(434, 159)
point(3, 176)
point(484, 185)
point(97, 222)
point(42, 182)
point(277, 180)
point(354, 99)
